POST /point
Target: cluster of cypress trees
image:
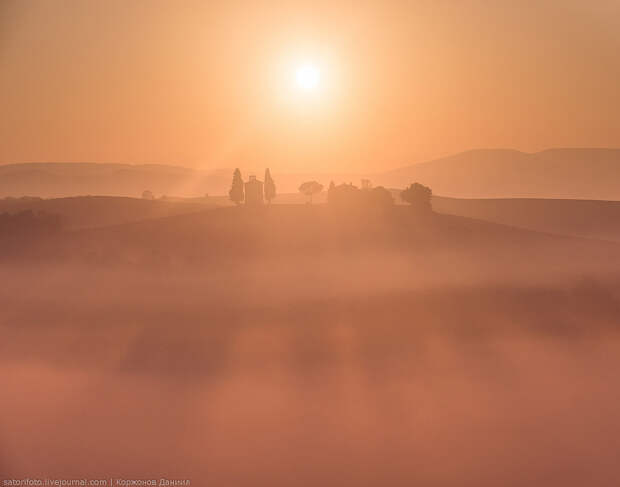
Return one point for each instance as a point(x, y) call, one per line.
point(237, 195)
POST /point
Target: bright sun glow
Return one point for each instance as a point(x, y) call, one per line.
point(308, 77)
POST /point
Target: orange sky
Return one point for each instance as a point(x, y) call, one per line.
point(205, 84)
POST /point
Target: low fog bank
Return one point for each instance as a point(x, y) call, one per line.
point(445, 353)
point(186, 326)
point(311, 375)
point(498, 413)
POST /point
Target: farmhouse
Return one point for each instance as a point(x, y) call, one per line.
point(253, 192)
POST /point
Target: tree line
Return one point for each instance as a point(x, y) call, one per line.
point(350, 196)
point(342, 195)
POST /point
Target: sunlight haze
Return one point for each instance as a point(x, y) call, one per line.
point(310, 244)
point(207, 84)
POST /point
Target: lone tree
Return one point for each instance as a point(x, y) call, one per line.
point(270, 186)
point(236, 191)
point(418, 196)
point(310, 188)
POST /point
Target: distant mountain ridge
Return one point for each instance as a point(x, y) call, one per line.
point(504, 173)
point(70, 179)
point(484, 173)
point(64, 179)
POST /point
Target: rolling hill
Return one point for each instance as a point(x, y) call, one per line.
point(582, 218)
point(392, 246)
point(96, 211)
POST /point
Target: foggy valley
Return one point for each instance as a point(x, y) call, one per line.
point(296, 340)
point(309, 244)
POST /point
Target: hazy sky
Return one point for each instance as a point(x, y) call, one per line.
point(212, 83)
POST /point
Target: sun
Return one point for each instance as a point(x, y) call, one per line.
point(303, 83)
point(308, 77)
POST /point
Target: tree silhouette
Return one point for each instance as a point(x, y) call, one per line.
point(350, 198)
point(346, 196)
point(147, 195)
point(310, 188)
point(270, 186)
point(379, 197)
point(418, 196)
point(330, 191)
point(236, 191)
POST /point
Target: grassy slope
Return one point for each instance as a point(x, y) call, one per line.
point(286, 235)
point(584, 218)
point(96, 211)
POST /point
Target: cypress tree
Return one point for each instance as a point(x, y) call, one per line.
point(270, 186)
point(236, 191)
